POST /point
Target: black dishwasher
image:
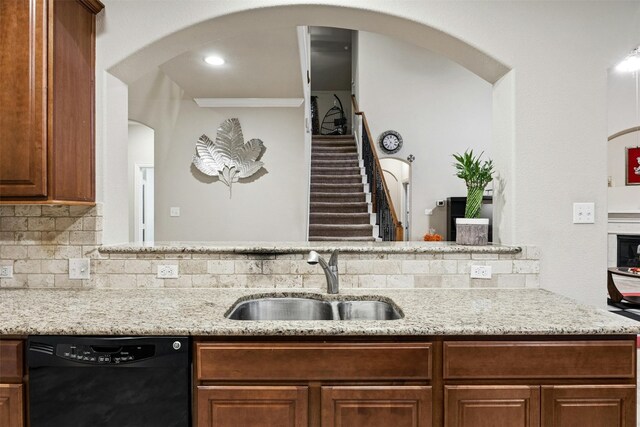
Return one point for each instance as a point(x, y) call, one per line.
point(109, 382)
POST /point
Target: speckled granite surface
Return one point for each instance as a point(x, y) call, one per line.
point(201, 312)
point(304, 247)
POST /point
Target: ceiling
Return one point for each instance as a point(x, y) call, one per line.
point(264, 64)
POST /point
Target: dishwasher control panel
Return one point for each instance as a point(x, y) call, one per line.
point(105, 355)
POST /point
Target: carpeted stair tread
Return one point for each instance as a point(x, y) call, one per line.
point(338, 163)
point(336, 179)
point(340, 239)
point(333, 144)
point(334, 156)
point(332, 137)
point(319, 170)
point(339, 218)
point(337, 188)
point(338, 197)
point(341, 230)
point(339, 149)
point(341, 207)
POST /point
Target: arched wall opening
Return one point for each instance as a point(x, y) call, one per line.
point(137, 64)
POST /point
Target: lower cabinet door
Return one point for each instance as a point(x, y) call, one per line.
point(589, 406)
point(383, 406)
point(252, 406)
point(489, 406)
point(11, 406)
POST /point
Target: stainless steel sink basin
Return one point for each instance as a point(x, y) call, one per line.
point(282, 309)
point(367, 310)
point(291, 308)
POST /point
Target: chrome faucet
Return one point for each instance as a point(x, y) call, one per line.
point(330, 269)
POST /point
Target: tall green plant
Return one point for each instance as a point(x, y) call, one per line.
point(476, 174)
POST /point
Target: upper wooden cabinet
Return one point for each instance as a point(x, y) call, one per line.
point(47, 101)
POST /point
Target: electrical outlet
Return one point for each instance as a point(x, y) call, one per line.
point(6, 272)
point(481, 272)
point(584, 213)
point(439, 202)
point(79, 268)
point(167, 272)
point(174, 211)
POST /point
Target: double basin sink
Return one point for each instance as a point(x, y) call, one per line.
point(304, 308)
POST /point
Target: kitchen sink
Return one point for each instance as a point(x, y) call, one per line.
point(296, 308)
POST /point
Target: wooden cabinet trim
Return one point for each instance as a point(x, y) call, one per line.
point(11, 405)
point(468, 360)
point(23, 89)
point(389, 399)
point(506, 405)
point(313, 361)
point(588, 401)
point(94, 6)
point(267, 397)
point(11, 361)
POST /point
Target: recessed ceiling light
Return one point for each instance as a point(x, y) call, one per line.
point(214, 60)
point(631, 63)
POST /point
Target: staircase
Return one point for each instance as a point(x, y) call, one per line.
point(340, 208)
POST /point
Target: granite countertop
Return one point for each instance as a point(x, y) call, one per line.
point(201, 312)
point(304, 247)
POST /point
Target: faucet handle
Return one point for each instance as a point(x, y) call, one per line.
point(333, 261)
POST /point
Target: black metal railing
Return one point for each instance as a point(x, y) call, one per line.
point(390, 229)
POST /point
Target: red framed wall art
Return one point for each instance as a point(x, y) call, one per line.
point(633, 166)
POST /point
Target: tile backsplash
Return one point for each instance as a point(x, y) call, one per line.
point(39, 240)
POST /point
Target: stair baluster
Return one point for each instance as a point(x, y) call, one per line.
point(390, 227)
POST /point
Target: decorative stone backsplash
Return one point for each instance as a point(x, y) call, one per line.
point(39, 240)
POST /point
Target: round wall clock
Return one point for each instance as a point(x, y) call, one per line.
point(390, 141)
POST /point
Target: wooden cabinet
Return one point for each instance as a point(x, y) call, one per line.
point(484, 406)
point(589, 406)
point(11, 406)
point(252, 406)
point(408, 382)
point(318, 384)
point(11, 389)
point(47, 101)
point(381, 406)
point(572, 383)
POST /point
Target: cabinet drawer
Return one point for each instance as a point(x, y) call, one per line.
point(10, 361)
point(539, 359)
point(313, 361)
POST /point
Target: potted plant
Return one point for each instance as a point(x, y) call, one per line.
point(472, 230)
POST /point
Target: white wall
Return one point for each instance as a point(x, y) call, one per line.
point(438, 107)
point(624, 113)
point(140, 153)
point(622, 99)
point(271, 207)
point(552, 115)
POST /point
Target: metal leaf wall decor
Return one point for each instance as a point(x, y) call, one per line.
point(228, 158)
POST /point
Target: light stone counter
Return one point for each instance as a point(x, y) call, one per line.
point(201, 312)
point(304, 247)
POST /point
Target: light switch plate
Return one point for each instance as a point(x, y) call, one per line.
point(584, 213)
point(79, 268)
point(6, 272)
point(174, 211)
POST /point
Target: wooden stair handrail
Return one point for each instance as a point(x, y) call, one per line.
point(396, 223)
